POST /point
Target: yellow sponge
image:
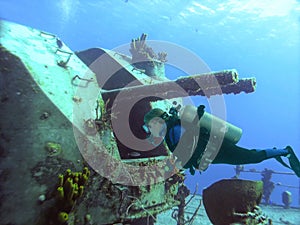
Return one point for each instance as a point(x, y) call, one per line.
point(63, 217)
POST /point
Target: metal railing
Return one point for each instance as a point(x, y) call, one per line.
point(266, 178)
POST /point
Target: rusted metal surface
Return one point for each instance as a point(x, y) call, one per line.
point(209, 84)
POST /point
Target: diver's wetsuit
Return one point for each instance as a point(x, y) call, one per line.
point(229, 153)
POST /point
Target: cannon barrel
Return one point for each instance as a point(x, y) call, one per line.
point(208, 84)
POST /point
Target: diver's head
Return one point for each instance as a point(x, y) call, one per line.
point(155, 124)
point(156, 112)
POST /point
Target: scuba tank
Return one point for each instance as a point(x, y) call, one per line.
point(221, 129)
point(231, 133)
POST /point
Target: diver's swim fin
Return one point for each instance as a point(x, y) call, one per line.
point(279, 159)
point(293, 160)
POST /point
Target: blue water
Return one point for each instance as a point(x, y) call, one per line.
point(258, 38)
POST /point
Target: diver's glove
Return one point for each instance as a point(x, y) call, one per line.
point(200, 111)
point(192, 170)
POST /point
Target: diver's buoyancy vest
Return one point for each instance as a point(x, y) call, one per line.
point(171, 122)
point(196, 138)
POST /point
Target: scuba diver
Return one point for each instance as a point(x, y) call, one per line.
point(169, 127)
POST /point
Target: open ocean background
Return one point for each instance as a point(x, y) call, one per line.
point(258, 38)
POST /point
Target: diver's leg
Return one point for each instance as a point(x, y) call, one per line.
point(274, 152)
point(235, 155)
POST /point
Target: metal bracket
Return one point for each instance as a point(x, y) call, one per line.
point(79, 85)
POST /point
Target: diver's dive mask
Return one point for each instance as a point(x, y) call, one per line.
point(146, 129)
